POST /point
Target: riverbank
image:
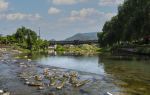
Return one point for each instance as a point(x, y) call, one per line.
point(132, 49)
point(84, 49)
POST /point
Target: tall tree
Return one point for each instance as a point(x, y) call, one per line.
point(131, 23)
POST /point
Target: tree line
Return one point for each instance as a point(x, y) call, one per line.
point(25, 38)
point(132, 23)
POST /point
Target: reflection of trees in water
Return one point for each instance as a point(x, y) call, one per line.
point(130, 75)
point(35, 55)
point(39, 55)
point(100, 61)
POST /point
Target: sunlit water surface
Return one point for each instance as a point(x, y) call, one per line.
point(131, 77)
point(119, 76)
point(78, 63)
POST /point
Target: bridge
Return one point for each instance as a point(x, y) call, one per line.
point(75, 42)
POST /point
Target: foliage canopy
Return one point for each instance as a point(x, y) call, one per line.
point(132, 23)
point(25, 38)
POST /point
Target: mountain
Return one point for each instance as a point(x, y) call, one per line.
point(83, 36)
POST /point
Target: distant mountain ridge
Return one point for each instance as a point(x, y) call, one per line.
point(83, 36)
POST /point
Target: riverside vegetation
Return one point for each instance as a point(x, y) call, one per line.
point(130, 27)
point(84, 49)
point(25, 40)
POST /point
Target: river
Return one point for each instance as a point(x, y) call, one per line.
point(119, 76)
point(130, 76)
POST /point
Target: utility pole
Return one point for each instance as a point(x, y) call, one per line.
point(39, 33)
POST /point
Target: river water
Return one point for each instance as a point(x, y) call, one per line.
point(78, 63)
point(130, 75)
point(116, 75)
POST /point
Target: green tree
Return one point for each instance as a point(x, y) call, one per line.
point(131, 23)
point(25, 38)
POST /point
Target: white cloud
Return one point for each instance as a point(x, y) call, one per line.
point(19, 16)
point(3, 5)
point(53, 10)
point(110, 2)
point(86, 20)
point(89, 14)
point(67, 2)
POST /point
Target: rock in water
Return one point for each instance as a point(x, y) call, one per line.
point(40, 87)
point(25, 56)
point(29, 60)
point(6, 93)
point(81, 83)
point(108, 93)
point(35, 84)
point(1, 91)
point(46, 71)
point(27, 83)
point(61, 85)
point(38, 78)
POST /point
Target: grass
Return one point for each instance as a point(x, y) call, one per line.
point(79, 49)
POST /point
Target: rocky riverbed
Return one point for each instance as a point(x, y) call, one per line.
point(25, 77)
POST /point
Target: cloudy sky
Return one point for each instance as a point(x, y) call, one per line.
point(58, 19)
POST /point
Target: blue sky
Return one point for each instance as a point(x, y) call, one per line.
point(58, 19)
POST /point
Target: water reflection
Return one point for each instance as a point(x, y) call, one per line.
point(131, 76)
point(84, 63)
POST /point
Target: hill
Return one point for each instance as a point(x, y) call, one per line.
point(83, 36)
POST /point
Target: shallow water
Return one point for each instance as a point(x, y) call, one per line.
point(131, 77)
point(78, 63)
point(119, 77)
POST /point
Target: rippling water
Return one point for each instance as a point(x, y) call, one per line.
point(132, 77)
point(117, 75)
